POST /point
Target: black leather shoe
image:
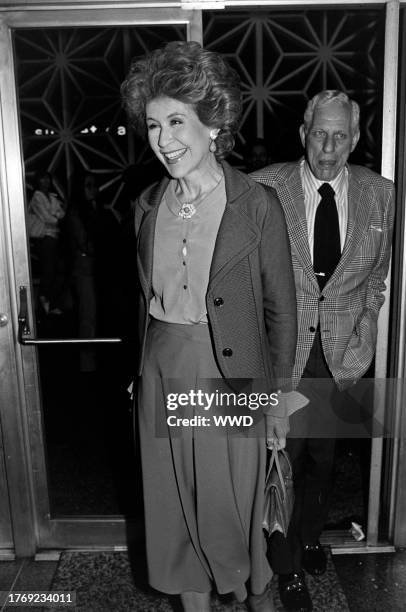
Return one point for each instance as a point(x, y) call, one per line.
point(314, 559)
point(293, 593)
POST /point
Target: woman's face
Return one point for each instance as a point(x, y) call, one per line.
point(178, 137)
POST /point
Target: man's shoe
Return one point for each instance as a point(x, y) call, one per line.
point(314, 559)
point(293, 593)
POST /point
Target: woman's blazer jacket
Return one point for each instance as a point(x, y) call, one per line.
point(250, 298)
point(347, 308)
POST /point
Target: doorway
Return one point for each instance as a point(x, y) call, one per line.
point(76, 320)
point(80, 56)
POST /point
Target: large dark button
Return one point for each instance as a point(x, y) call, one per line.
point(227, 352)
point(218, 301)
point(321, 298)
point(312, 329)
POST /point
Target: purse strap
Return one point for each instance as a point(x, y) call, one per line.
point(275, 460)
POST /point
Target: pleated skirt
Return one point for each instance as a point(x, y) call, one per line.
point(203, 488)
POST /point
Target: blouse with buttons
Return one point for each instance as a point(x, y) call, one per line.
point(183, 251)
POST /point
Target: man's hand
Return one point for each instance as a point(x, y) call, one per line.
point(277, 429)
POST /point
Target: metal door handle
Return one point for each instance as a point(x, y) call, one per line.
point(24, 330)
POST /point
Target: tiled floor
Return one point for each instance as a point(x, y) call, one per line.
point(26, 575)
point(372, 583)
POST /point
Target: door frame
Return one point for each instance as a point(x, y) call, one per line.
point(20, 414)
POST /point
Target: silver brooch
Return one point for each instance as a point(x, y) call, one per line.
point(187, 210)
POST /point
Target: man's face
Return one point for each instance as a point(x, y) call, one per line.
point(257, 158)
point(329, 140)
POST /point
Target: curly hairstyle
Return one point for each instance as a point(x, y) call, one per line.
point(186, 72)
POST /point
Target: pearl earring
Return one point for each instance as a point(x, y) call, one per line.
point(213, 136)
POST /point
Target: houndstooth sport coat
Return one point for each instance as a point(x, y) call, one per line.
point(347, 308)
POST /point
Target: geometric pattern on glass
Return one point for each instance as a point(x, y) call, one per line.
point(285, 57)
point(68, 85)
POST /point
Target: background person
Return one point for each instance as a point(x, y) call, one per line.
point(217, 300)
point(256, 154)
point(47, 207)
point(94, 237)
point(340, 220)
point(82, 236)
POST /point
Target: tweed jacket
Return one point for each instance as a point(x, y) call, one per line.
point(250, 298)
point(347, 308)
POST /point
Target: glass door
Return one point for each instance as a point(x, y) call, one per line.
point(70, 154)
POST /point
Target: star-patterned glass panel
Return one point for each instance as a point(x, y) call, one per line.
point(286, 57)
point(68, 82)
point(69, 78)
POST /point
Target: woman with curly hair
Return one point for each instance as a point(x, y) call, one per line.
point(217, 305)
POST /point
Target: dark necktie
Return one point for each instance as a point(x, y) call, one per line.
point(327, 249)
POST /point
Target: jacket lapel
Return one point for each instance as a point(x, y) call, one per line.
point(359, 212)
point(146, 233)
point(290, 193)
point(237, 235)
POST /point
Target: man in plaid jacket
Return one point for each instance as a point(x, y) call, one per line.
point(337, 311)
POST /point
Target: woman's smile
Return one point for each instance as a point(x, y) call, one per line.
point(172, 157)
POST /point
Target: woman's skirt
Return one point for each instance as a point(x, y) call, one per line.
point(203, 484)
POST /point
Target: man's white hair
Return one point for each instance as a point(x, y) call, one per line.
point(326, 97)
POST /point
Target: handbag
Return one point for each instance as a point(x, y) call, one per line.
point(35, 225)
point(279, 493)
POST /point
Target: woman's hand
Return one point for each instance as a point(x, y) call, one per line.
point(277, 428)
